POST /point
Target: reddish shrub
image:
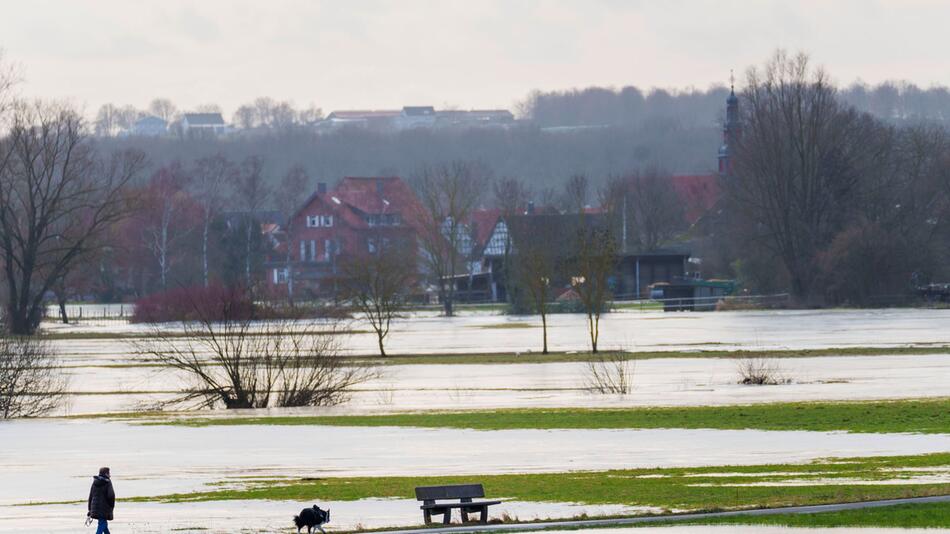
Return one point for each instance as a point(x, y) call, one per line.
point(212, 303)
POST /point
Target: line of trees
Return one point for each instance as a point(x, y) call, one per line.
point(829, 201)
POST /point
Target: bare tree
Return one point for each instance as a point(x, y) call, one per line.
point(576, 191)
point(209, 178)
point(126, 116)
point(646, 209)
point(164, 109)
point(106, 121)
point(610, 373)
point(593, 262)
point(57, 195)
point(245, 117)
point(241, 363)
point(536, 268)
point(289, 197)
point(377, 284)
point(798, 162)
point(448, 194)
point(31, 383)
point(165, 206)
point(760, 371)
point(251, 194)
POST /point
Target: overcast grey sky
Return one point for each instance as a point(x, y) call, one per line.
point(468, 53)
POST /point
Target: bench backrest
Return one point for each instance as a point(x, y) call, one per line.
point(458, 491)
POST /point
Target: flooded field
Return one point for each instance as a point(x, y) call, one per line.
point(155, 460)
point(113, 374)
point(427, 333)
point(51, 460)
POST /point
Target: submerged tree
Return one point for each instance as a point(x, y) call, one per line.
point(536, 269)
point(377, 284)
point(593, 262)
point(31, 384)
point(238, 362)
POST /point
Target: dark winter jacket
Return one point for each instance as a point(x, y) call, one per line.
point(101, 498)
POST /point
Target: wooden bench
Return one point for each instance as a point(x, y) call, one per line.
point(463, 492)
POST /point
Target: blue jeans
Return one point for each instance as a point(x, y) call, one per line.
point(103, 527)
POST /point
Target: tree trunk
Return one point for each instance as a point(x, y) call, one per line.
point(204, 249)
point(62, 310)
point(382, 351)
point(544, 331)
point(247, 256)
point(23, 320)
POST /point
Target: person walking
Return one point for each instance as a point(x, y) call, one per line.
point(101, 500)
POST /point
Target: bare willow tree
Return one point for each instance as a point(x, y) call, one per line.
point(31, 384)
point(593, 262)
point(57, 195)
point(610, 373)
point(209, 178)
point(798, 162)
point(289, 197)
point(449, 193)
point(237, 362)
point(377, 284)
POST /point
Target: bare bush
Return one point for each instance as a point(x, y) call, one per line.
point(30, 383)
point(760, 372)
point(241, 363)
point(610, 373)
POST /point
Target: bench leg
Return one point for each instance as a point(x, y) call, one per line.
point(427, 515)
point(447, 518)
point(484, 517)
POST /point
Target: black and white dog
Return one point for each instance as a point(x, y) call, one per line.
point(312, 518)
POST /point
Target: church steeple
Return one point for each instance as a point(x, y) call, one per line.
point(731, 128)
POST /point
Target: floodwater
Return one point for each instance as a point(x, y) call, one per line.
point(50, 460)
point(674, 381)
point(270, 516)
point(774, 329)
point(100, 368)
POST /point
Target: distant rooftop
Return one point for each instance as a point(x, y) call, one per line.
point(204, 119)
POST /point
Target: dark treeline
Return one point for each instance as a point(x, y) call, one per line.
point(540, 158)
point(895, 101)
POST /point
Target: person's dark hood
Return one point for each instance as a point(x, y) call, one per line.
point(100, 480)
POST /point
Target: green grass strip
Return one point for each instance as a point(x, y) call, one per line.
point(927, 515)
point(924, 416)
point(706, 488)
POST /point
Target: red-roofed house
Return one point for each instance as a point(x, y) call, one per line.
point(354, 217)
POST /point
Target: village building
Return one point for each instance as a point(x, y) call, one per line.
point(203, 124)
point(359, 215)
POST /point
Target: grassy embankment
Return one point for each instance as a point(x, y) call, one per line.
point(704, 488)
point(924, 416)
